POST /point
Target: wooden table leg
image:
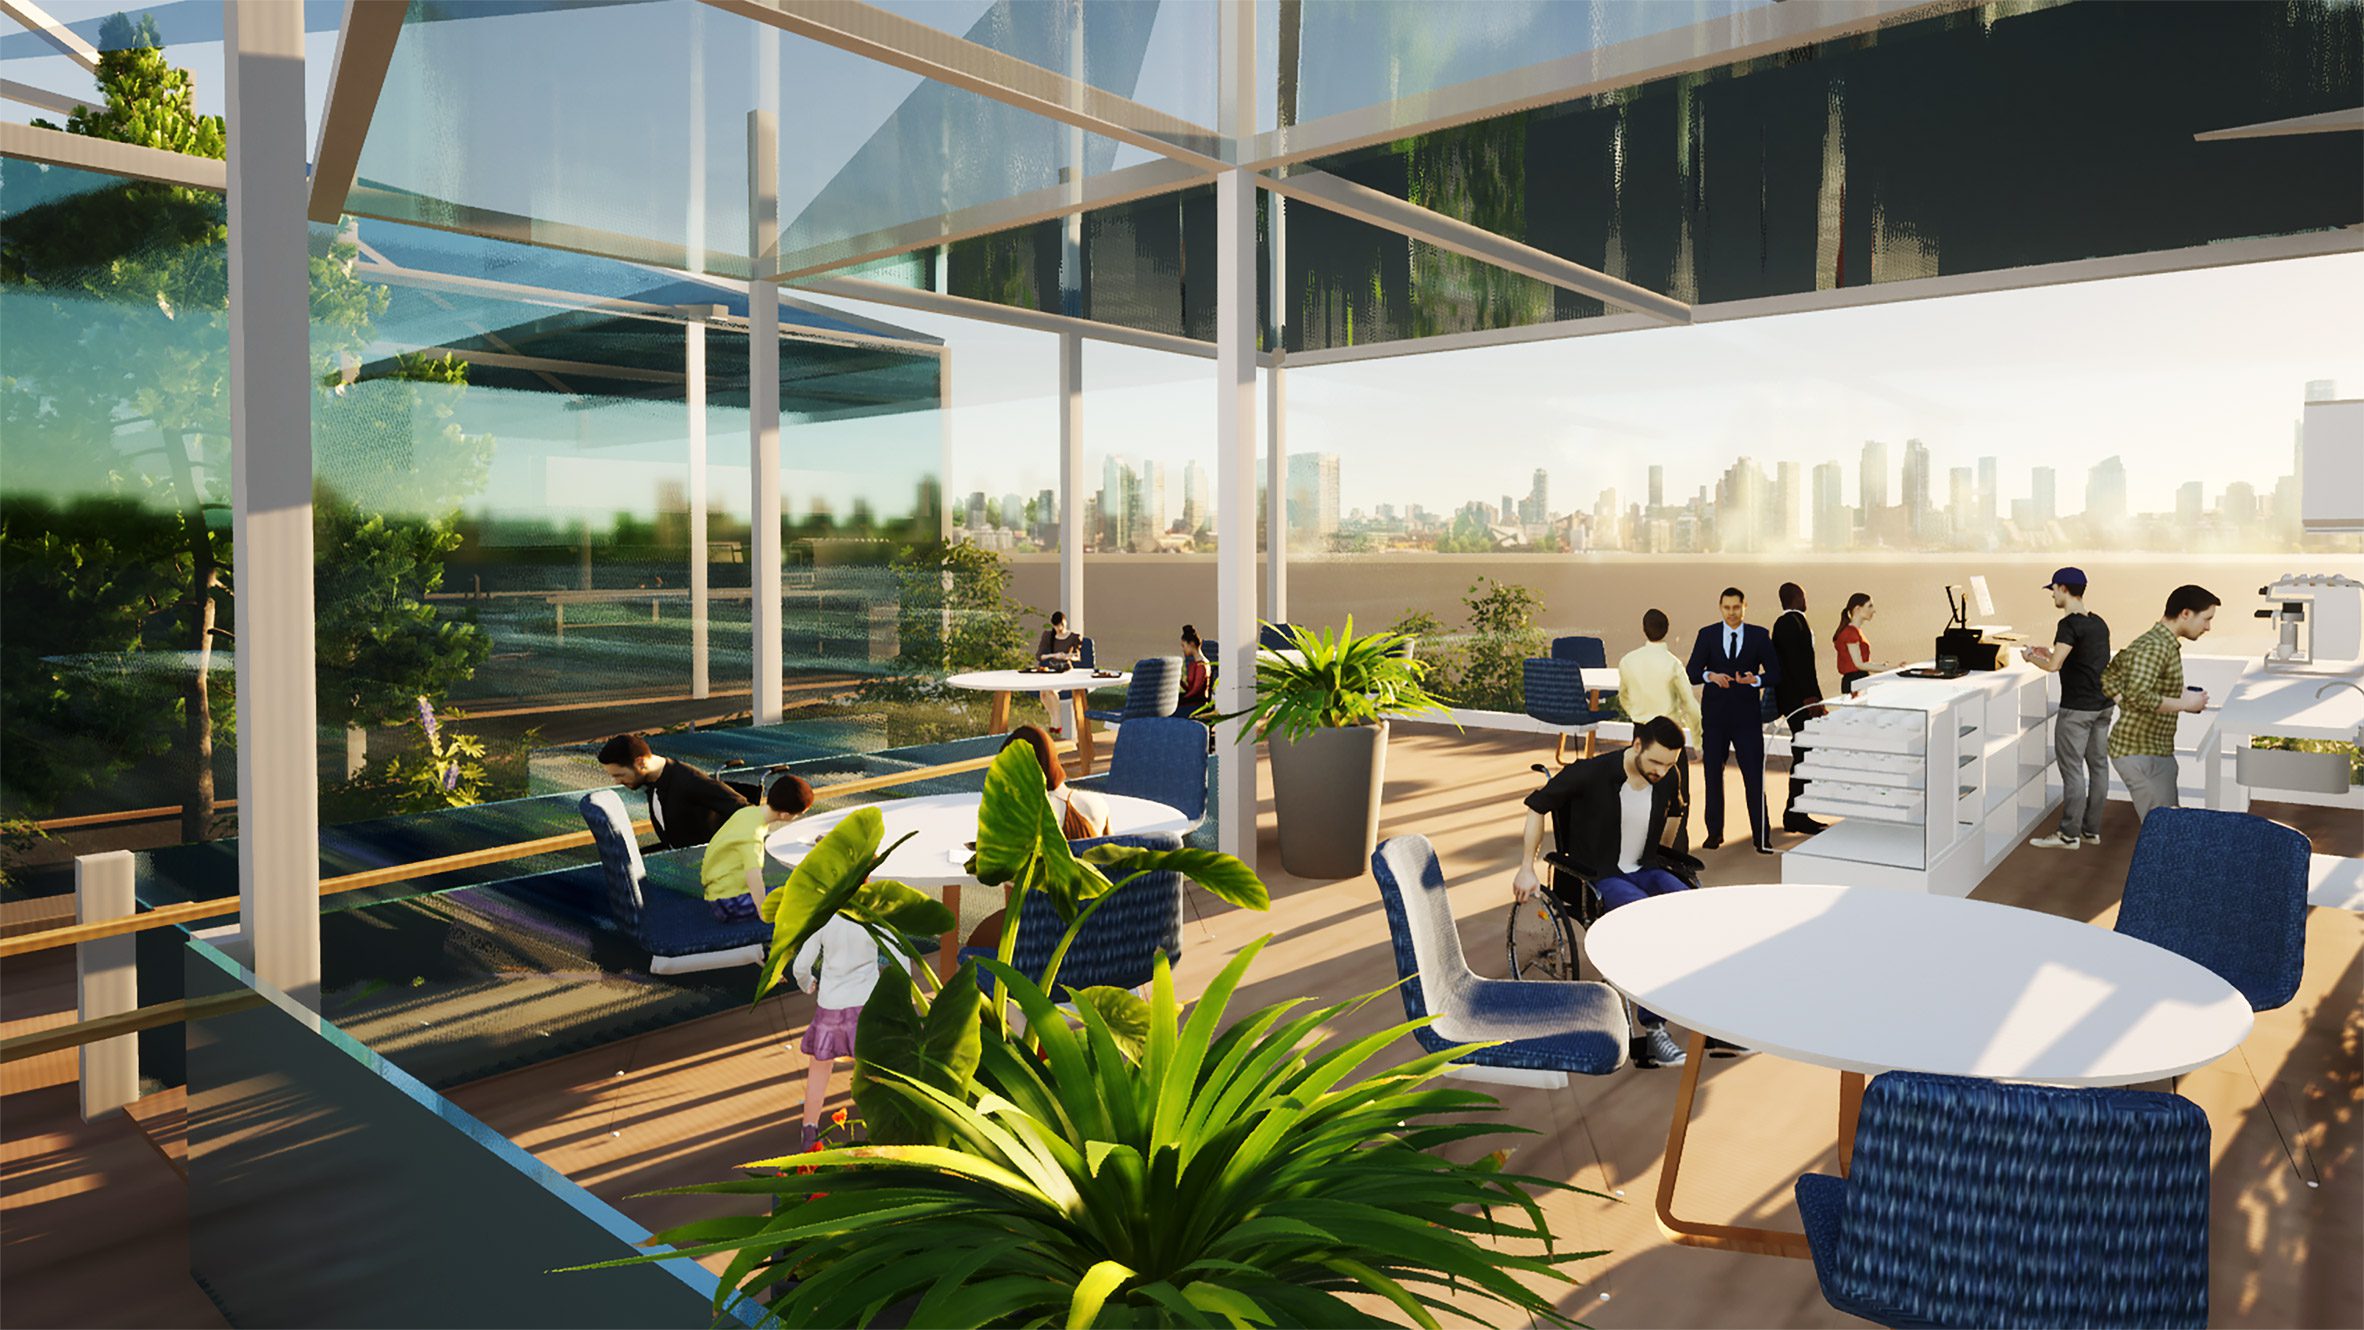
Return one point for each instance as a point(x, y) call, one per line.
point(1084, 747)
point(948, 950)
point(999, 721)
point(1850, 1108)
point(1717, 1237)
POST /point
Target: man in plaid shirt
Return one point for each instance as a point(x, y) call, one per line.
point(2146, 681)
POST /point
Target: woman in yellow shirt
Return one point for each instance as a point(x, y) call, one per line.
point(732, 870)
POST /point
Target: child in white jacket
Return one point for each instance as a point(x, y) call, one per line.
point(848, 959)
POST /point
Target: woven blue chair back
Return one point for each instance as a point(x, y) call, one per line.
point(1977, 1203)
point(1156, 687)
point(1428, 956)
point(619, 854)
point(1119, 944)
point(1583, 651)
point(2228, 890)
point(1555, 692)
point(1162, 759)
point(1275, 637)
point(1086, 656)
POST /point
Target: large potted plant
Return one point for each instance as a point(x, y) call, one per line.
point(1110, 1163)
point(1323, 705)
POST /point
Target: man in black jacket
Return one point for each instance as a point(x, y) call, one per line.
point(1797, 689)
point(686, 805)
point(1620, 821)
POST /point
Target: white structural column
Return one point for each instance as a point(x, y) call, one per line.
point(693, 361)
point(1071, 476)
point(1235, 499)
point(763, 411)
point(271, 488)
point(1276, 426)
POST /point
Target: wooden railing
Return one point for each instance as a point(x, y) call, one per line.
point(168, 1013)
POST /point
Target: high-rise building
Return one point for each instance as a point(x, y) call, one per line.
point(2105, 493)
point(1538, 509)
point(1916, 481)
point(974, 518)
point(1789, 505)
point(2043, 485)
point(1740, 508)
point(1313, 495)
point(2239, 505)
point(1871, 492)
point(1657, 487)
point(2188, 501)
point(1046, 519)
point(1961, 503)
point(1831, 518)
point(1605, 534)
point(1989, 473)
point(1013, 512)
point(1119, 502)
point(1197, 513)
point(1152, 522)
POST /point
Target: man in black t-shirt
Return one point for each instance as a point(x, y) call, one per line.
point(2081, 732)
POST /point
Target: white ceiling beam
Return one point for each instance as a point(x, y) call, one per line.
point(914, 47)
point(365, 48)
point(1765, 30)
point(1126, 185)
point(44, 98)
point(2327, 122)
point(962, 307)
point(68, 42)
point(1388, 212)
point(2312, 244)
point(83, 153)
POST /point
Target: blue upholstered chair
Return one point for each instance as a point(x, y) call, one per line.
point(1549, 1029)
point(1163, 759)
point(1119, 944)
point(1556, 694)
point(1087, 656)
point(1154, 691)
point(1976, 1203)
point(676, 925)
point(1275, 637)
point(2228, 890)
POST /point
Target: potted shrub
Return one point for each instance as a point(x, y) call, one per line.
point(1111, 1163)
point(1324, 710)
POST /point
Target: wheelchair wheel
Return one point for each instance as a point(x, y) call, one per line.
point(1542, 940)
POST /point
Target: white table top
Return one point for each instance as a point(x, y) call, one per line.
point(1601, 679)
point(1869, 979)
point(1018, 681)
point(2335, 882)
point(945, 824)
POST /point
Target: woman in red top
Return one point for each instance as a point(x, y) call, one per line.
point(1854, 653)
point(1197, 680)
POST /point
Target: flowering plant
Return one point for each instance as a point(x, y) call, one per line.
point(446, 772)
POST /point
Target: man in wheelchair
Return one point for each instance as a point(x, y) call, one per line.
point(1620, 828)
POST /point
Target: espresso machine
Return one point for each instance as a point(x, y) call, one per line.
point(2319, 622)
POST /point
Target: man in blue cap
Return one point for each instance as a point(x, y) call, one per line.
point(2081, 733)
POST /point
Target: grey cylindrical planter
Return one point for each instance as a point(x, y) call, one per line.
point(1325, 791)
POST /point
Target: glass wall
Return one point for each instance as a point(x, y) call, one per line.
point(323, 1181)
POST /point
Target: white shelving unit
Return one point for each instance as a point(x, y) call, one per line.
point(1929, 782)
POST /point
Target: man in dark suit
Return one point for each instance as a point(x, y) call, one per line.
point(1734, 659)
point(1798, 689)
point(686, 805)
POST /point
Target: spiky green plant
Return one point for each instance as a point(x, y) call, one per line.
point(1115, 1164)
point(1336, 680)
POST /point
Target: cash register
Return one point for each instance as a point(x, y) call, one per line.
point(1962, 648)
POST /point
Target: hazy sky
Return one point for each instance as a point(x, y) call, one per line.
point(2195, 375)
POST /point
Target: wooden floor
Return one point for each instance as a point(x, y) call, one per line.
point(691, 1103)
point(86, 1206)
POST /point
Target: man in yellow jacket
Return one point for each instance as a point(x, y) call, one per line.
point(1651, 681)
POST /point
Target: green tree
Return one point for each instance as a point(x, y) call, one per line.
point(117, 374)
point(1502, 638)
point(957, 613)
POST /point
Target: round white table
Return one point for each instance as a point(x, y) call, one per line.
point(1865, 980)
point(1078, 682)
point(941, 826)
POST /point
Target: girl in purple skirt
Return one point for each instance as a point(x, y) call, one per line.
point(848, 960)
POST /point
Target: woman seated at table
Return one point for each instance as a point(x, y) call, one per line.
point(1198, 681)
point(732, 869)
point(1058, 642)
point(1082, 814)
